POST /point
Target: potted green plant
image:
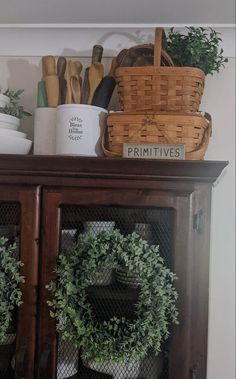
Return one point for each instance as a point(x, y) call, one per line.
point(117, 341)
point(199, 47)
point(11, 112)
point(10, 298)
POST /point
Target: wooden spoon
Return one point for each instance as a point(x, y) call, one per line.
point(96, 57)
point(75, 81)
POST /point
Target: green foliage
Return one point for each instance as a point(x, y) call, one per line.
point(14, 109)
point(199, 47)
point(10, 278)
point(119, 338)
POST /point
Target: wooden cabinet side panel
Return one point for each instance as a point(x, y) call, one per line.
point(28, 199)
point(47, 341)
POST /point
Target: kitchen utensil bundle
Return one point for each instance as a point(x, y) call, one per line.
point(62, 82)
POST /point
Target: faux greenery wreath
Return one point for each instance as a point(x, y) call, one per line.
point(119, 338)
point(10, 278)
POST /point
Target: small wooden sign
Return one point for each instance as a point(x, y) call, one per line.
point(153, 151)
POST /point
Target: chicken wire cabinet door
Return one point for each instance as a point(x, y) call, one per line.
point(162, 218)
point(19, 211)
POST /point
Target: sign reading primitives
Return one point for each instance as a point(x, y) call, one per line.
point(153, 151)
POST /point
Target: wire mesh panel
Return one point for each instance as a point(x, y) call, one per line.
point(114, 294)
point(10, 229)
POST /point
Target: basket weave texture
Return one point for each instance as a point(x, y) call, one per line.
point(157, 89)
point(191, 130)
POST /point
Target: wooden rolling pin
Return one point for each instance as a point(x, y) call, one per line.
point(61, 69)
point(51, 81)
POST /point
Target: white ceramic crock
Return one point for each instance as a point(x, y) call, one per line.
point(45, 131)
point(79, 129)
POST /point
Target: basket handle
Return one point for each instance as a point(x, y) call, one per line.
point(159, 35)
point(159, 53)
point(107, 152)
point(200, 150)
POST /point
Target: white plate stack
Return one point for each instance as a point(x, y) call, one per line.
point(11, 140)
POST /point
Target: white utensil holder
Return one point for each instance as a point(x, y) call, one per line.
point(79, 129)
point(44, 131)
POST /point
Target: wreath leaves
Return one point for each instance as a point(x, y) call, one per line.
point(10, 278)
point(119, 338)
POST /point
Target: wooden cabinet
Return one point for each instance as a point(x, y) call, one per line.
point(57, 196)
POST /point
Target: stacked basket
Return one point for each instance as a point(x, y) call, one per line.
point(160, 105)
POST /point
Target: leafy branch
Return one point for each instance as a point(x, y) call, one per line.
point(199, 47)
point(14, 109)
point(10, 278)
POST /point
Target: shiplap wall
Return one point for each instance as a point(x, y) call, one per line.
point(219, 100)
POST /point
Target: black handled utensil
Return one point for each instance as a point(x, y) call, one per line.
point(104, 91)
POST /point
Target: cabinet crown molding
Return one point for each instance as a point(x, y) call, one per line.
point(78, 39)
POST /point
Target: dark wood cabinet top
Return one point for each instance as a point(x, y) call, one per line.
point(43, 167)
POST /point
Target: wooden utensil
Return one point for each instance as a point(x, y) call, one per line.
point(85, 87)
point(75, 81)
point(96, 73)
point(51, 81)
point(41, 90)
point(68, 86)
point(104, 90)
point(96, 57)
point(97, 53)
point(61, 69)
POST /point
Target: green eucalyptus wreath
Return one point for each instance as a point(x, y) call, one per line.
point(10, 278)
point(119, 338)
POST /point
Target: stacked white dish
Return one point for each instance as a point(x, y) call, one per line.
point(11, 140)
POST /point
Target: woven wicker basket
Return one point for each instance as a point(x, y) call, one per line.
point(155, 88)
point(191, 130)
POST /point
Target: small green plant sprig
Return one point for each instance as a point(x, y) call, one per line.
point(199, 47)
point(120, 339)
point(14, 109)
point(10, 278)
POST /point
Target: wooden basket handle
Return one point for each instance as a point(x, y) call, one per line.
point(159, 35)
point(199, 151)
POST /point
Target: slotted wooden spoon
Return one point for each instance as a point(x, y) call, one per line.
point(75, 69)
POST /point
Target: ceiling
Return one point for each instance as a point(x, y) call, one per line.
point(117, 12)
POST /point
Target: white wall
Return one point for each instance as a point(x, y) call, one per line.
point(219, 100)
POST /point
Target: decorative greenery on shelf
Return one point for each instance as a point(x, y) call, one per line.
point(120, 339)
point(10, 278)
point(199, 47)
point(14, 109)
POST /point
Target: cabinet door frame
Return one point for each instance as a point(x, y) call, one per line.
point(191, 248)
point(28, 199)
